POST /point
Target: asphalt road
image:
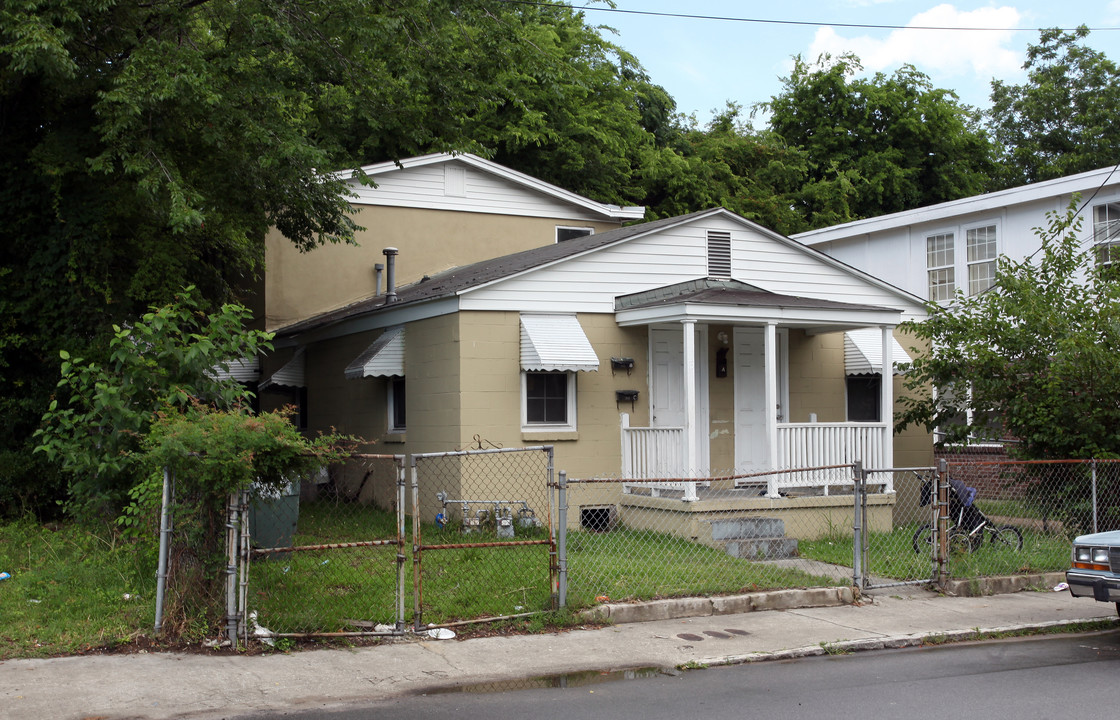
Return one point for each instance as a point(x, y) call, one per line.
point(1052, 677)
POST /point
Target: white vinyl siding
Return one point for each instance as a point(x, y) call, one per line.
point(590, 283)
point(463, 188)
point(940, 259)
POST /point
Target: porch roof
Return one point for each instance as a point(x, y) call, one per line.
point(732, 301)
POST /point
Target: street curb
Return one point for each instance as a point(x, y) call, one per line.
point(844, 647)
point(977, 587)
point(724, 605)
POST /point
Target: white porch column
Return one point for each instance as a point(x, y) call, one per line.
point(886, 401)
point(770, 350)
point(690, 447)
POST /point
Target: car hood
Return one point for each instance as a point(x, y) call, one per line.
point(1112, 537)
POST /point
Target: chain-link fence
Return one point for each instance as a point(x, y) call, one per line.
point(483, 546)
point(640, 540)
point(327, 555)
point(495, 537)
point(1010, 517)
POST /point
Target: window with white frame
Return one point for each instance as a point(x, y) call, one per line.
point(571, 233)
point(1106, 232)
point(981, 250)
point(396, 404)
point(940, 264)
point(548, 400)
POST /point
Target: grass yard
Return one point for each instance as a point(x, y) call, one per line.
point(75, 589)
point(891, 555)
point(71, 590)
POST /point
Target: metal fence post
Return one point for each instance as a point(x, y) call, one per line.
point(164, 543)
point(402, 509)
point(562, 542)
point(416, 589)
point(232, 546)
point(857, 523)
point(1094, 471)
point(942, 523)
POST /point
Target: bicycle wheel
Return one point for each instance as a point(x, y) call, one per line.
point(1007, 536)
point(960, 542)
point(923, 540)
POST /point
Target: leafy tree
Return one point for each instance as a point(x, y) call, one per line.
point(728, 164)
point(1036, 355)
point(166, 361)
point(151, 145)
point(878, 145)
point(1062, 120)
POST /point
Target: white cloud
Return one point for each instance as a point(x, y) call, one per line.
point(942, 53)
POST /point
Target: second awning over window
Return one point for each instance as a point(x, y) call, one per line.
point(555, 342)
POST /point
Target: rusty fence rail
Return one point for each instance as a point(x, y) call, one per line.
point(483, 543)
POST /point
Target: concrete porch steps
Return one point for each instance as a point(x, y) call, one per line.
point(754, 538)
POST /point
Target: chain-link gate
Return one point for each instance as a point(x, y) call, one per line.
point(483, 537)
point(896, 545)
point(328, 555)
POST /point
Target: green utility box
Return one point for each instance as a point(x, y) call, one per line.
point(273, 517)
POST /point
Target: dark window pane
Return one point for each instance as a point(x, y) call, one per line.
point(863, 399)
point(546, 398)
point(398, 403)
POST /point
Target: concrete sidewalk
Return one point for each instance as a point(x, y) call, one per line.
point(199, 686)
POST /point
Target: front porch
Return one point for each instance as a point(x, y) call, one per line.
point(748, 384)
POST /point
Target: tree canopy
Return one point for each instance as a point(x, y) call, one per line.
point(1033, 358)
point(876, 145)
point(1062, 120)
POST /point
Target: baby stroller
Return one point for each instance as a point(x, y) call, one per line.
point(967, 524)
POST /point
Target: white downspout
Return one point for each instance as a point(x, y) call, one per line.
point(690, 447)
point(886, 404)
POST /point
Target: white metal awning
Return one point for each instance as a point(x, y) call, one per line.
point(290, 375)
point(555, 342)
point(243, 370)
point(383, 358)
point(863, 352)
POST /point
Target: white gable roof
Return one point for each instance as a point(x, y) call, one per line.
point(472, 184)
point(1084, 183)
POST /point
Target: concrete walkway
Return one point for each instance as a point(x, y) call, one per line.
point(688, 632)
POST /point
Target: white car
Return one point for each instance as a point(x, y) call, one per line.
point(1095, 570)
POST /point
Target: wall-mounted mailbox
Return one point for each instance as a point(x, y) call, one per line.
point(622, 363)
point(630, 396)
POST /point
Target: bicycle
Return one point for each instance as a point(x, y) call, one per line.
point(968, 525)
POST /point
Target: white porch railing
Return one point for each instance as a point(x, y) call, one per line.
point(655, 452)
point(815, 444)
point(659, 453)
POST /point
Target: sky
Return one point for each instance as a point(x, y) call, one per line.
point(705, 62)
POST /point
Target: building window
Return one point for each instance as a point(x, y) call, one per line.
point(940, 264)
point(719, 254)
point(549, 400)
point(396, 404)
point(571, 233)
point(1106, 232)
point(981, 252)
point(864, 398)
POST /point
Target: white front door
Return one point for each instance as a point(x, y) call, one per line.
point(752, 449)
point(667, 385)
